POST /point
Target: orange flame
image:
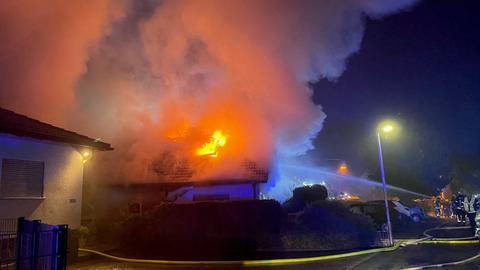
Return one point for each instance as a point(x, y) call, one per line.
point(217, 140)
point(343, 169)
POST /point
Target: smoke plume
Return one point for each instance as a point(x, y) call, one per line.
point(158, 78)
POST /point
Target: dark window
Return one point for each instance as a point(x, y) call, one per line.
point(211, 197)
point(21, 178)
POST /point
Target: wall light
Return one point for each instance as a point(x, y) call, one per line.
point(86, 154)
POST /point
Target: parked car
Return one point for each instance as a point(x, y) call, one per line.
point(415, 213)
point(398, 211)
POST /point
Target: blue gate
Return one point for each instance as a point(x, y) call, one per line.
point(36, 246)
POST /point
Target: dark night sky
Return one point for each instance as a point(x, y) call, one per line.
point(421, 66)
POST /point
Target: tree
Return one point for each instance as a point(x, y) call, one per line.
point(305, 195)
point(465, 173)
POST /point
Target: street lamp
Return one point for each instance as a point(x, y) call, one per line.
point(385, 127)
point(343, 168)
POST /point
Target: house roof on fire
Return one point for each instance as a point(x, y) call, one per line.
point(21, 125)
point(248, 170)
point(182, 176)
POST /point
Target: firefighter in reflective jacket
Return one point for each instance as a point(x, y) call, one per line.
point(474, 209)
point(459, 208)
point(469, 206)
point(476, 205)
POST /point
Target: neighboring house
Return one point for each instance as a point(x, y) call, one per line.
point(41, 169)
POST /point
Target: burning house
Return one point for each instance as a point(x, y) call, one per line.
point(205, 171)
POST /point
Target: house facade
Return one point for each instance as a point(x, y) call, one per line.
point(216, 190)
point(41, 170)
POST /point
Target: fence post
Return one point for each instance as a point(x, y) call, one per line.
point(35, 243)
point(62, 247)
point(18, 255)
point(55, 248)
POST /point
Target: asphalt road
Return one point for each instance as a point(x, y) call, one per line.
point(423, 254)
point(409, 256)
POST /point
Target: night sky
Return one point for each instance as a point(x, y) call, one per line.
point(419, 66)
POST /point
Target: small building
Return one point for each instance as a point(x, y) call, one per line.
point(41, 169)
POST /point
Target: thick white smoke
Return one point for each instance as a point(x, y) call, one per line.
point(152, 76)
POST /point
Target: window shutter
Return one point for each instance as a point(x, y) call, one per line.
point(21, 178)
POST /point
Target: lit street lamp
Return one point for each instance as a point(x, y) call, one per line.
point(385, 127)
point(343, 168)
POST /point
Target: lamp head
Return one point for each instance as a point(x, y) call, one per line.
point(86, 154)
point(388, 126)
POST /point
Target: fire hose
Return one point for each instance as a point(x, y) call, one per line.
point(270, 262)
point(446, 240)
point(461, 240)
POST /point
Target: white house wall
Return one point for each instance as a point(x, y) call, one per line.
point(63, 175)
point(235, 192)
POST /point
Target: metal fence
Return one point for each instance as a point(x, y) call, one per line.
point(8, 239)
point(32, 245)
point(8, 225)
point(382, 238)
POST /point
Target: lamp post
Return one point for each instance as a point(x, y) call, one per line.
point(386, 129)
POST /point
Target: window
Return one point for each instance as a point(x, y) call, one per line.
point(211, 197)
point(21, 178)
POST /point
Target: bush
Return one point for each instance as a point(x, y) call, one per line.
point(229, 226)
point(310, 240)
point(303, 196)
point(333, 218)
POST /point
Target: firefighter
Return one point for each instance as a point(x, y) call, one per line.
point(477, 215)
point(476, 204)
point(450, 207)
point(438, 206)
point(476, 207)
point(469, 207)
point(459, 207)
point(477, 223)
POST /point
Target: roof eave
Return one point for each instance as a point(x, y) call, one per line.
point(101, 146)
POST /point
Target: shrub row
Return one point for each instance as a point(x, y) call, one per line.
point(230, 225)
point(241, 227)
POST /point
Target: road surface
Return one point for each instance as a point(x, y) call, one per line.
point(405, 257)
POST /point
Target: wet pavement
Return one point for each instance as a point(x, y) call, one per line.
point(422, 254)
point(404, 257)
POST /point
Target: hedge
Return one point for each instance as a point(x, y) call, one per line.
point(334, 218)
point(225, 226)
